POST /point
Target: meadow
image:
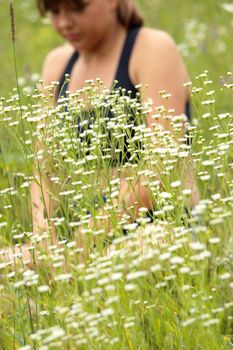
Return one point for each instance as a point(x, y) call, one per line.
point(167, 284)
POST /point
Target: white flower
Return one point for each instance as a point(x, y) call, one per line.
point(112, 300)
point(216, 196)
point(228, 305)
point(116, 276)
point(43, 289)
point(206, 115)
point(78, 197)
point(203, 255)
point(115, 181)
point(188, 322)
point(177, 260)
point(155, 268)
point(184, 270)
point(208, 162)
point(67, 193)
point(56, 333)
point(63, 277)
point(107, 312)
point(114, 194)
point(196, 246)
point(130, 287)
point(165, 256)
point(135, 275)
point(224, 115)
point(103, 281)
point(131, 227)
point(90, 276)
point(176, 184)
point(19, 284)
point(216, 221)
point(44, 313)
point(170, 277)
point(205, 177)
point(160, 285)
point(218, 310)
point(227, 6)
point(214, 240)
point(187, 192)
point(186, 287)
point(208, 102)
point(211, 322)
point(74, 224)
point(26, 347)
point(165, 195)
point(225, 276)
point(30, 275)
point(129, 324)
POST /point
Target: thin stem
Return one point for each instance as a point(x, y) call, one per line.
point(12, 18)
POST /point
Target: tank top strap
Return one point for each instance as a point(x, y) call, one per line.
point(122, 73)
point(62, 88)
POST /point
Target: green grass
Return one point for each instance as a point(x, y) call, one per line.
point(167, 285)
point(209, 41)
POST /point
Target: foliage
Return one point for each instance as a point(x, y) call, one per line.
point(168, 283)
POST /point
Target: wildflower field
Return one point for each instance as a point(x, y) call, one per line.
point(163, 281)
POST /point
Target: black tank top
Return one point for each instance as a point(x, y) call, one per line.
point(122, 74)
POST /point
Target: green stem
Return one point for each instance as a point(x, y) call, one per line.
point(12, 17)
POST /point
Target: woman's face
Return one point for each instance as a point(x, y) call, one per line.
point(83, 25)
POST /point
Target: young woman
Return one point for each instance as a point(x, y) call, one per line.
point(106, 39)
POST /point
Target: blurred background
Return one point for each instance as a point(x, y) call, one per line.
point(203, 31)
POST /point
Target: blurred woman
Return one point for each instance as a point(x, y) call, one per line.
point(106, 39)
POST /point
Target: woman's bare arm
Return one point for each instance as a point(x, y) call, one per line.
point(159, 67)
point(42, 204)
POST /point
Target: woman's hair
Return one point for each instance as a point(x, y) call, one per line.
point(127, 12)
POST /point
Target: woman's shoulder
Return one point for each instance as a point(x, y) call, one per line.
point(55, 63)
point(155, 39)
point(156, 54)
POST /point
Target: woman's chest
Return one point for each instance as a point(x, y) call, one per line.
point(80, 75)
point(103, 70)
